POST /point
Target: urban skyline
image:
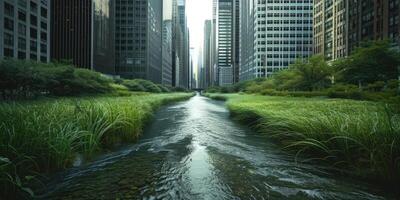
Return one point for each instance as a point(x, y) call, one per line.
point(150, 39)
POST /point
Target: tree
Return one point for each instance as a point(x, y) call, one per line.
point(374, 61)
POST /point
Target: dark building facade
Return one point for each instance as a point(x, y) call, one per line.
point(138, 39)
point(82, 32)
point(24, 29)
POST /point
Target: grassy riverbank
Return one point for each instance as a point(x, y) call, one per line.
point(45, 135)
point(360, 137)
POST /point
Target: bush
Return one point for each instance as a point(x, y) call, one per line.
point(133, 85)
point(163, 88)
point(26, 79)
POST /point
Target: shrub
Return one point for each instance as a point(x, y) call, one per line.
point(163, 88)
point(133, 86)
point(148, 86)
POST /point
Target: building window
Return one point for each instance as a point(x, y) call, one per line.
point(34, 7)
point(21, 55)
point(21, 43)
point(8, 24)
point(9, 9)
point(43, 12)
point(8, 39)
point(22, 16)
point(43, 25)
point(8, 52)
point(33, 45)
point(33, 33)
point(21, 29)
point(33, 20)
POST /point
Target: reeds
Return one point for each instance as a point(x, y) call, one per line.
point(42, 136)
point(358, 137)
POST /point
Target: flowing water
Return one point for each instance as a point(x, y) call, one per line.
point(193, 150)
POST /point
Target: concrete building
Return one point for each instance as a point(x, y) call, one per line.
point(225, 42)
point(184, 70)
point(138, 39)
point(282, 33)
point(340, 26)
point(25, 29)
point(246, 58)
point(207, 54)
point(82, 32)
point(167, 35)
point(214, 64)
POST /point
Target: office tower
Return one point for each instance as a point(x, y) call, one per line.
point(225, 42)
point(340, 26)
point(236, 40)
point(184, 70)
point(246, 59)
point(207, 54)
point(214, 74)
point(283, 33)
point(167, 35)
point(82, 32)
point(24, 29)
point(138, 39)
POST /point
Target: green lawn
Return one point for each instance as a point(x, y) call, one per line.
point(360, 137)
point(44, 135)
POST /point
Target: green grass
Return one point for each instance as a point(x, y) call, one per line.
point(359, 137)
point(45, 135)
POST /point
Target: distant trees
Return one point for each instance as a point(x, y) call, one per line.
point(372, 68)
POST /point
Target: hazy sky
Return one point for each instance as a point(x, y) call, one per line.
point(197, 12)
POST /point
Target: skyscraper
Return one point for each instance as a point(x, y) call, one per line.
point(247, 39)
point(25, 29)
point(225, 42)
point(207, 54)
point(167, 43)
point(138, 39)
point(82, 32)
point(283, 33)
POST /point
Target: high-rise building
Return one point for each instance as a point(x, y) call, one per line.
point(25, 29)
point(246, 59)
point(340, 26)
point(236, 40)
point(184, 71)
point(225, 41)
point(283, 33)
point(167, 35)
point(207, 54)
point(214, 65)
point(82, 32)
point(138, 39)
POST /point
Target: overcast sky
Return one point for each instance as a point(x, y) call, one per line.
point(197, 12)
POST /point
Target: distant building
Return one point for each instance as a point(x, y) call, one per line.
point(138, 39)
point(25, 29)
point(82, 32)
point(225, 42)
point(167, 53)
point(207, 54)
point(246, 58)
point(282, 33)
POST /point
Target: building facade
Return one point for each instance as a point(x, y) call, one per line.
point(138, 39)
point(207, 54)
point(340, 26)
point(246, 53)
point(82, 33)
point(225, 42)
point(282, 33)
point(25, 29)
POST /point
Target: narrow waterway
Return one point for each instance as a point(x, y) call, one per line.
point(193, 150)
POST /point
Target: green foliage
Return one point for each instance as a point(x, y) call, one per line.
point(42, 136)
point(359, 137)
point(25, 79)
point(374, 61)
point(133, 85)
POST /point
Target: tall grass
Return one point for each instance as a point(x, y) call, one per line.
point(41, 136)
point(359, 137)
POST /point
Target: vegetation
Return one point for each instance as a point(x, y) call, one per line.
point(41, 136)
point(27, 80)
point(360, 137)
point(370, 73)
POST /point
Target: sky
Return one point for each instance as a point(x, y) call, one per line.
point(197, 12)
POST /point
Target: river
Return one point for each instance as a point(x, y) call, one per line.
point(193, 150)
